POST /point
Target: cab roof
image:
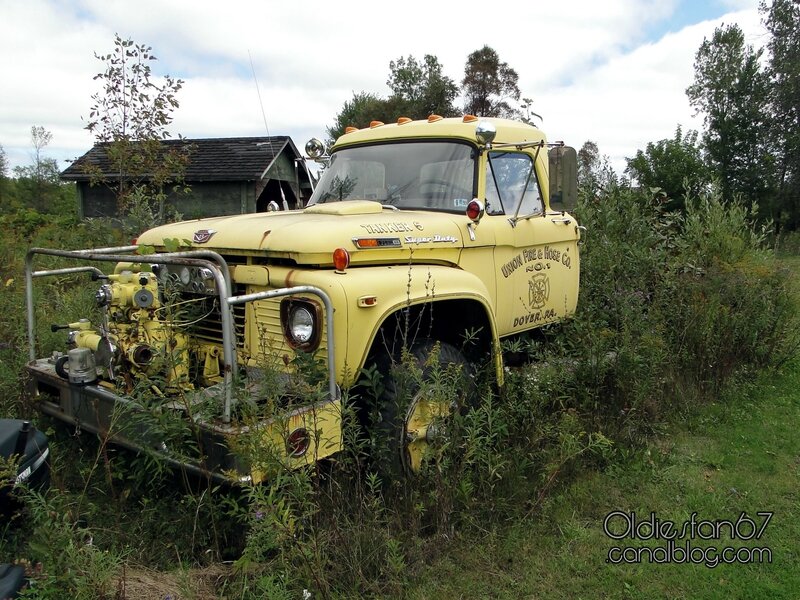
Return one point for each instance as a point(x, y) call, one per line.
point(508, 131)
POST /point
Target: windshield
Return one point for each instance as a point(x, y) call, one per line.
point(411, 175)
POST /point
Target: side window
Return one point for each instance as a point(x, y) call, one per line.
point(493, 204)
point(511, 182)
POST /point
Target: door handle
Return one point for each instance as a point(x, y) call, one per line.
point(564, 220)
point(583, 231)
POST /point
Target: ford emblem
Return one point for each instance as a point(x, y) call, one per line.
point(202, 236)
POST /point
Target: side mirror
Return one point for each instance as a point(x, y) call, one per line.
point(317, 151)
point(315, 148)
point(563, 178)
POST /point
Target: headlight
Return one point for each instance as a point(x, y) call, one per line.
point(315, 148)
point(301, 323)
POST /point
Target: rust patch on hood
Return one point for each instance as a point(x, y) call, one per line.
point(264, 237)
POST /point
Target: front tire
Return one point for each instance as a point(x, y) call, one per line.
point(420, 395)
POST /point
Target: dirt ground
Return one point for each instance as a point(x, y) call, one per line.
point(191, 584)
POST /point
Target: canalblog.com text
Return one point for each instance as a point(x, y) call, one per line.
point(687, 542)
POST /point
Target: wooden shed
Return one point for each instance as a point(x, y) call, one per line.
point(226, 176)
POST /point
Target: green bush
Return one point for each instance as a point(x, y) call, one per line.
point(788, 243)
point(672, 306)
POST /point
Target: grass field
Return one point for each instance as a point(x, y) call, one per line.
point(738, 455)
point(741, 454)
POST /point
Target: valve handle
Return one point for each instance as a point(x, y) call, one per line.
point(60, 371)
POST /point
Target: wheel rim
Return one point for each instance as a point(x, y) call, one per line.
point(423, 424)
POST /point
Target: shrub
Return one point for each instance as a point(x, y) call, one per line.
point(672, 306)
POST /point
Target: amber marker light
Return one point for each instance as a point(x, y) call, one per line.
point(374, 124)
point(469, 119)
point(367, 301)
point(350, 129)
point(434, 118)
point(362, 243)
point(341, 259)
point(403, 120)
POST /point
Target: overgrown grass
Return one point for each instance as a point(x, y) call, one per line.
point(64, 297)
point(673, 308)
point(737, 454)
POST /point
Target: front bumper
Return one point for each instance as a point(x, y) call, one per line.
point(236, 452)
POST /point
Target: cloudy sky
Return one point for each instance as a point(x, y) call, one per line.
point(613, 71)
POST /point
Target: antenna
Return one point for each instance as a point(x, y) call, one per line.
point(258, 91)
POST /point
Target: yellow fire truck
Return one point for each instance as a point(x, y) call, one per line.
point(457, 226)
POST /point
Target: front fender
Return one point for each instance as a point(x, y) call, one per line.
point(364, 298)
point(395, 288)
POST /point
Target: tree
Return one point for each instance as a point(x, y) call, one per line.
point(3, 163)
point(42, 170)
point(675, 165)
point(590, 168)
point(527, 115)
point(3, 178)
point(595, 174)
point(731, 90)
point(362, 109)
point(45, 170)
point(588, 158)
point(489, 84)
point(782, 20)
point(131, 106)
point(38, 184)
point(420, 89)
point(130, 117)
point(40, 138)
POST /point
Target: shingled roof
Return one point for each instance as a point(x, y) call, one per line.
point(211, 159)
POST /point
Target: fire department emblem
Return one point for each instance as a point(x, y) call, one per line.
point(201, 236)
point(538, 290)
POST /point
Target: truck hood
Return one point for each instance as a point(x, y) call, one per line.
point(369, 232)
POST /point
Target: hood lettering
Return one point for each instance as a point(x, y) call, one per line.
point(412, 239)
point(395, 227)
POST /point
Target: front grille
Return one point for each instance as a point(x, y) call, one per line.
point(207, 325)
point(261, 345)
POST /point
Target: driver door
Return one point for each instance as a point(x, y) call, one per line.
point(536, 254)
